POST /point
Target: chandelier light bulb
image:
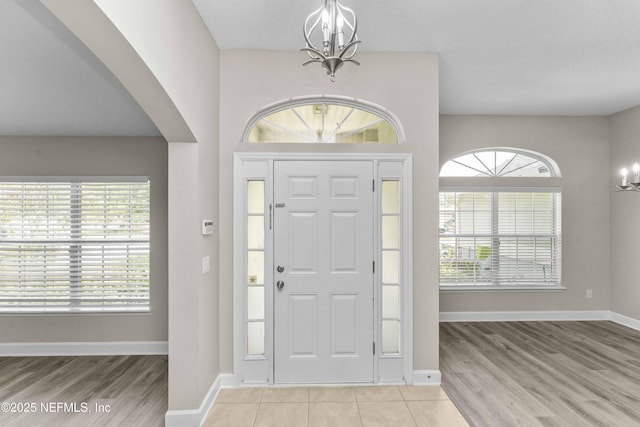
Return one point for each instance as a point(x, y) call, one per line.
point(330, 35)
point(339, 28)
point(625, 176)
point(326, 31)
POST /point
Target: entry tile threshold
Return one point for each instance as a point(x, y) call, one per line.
point(368, 406)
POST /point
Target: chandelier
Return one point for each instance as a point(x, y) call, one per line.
point(625, 185)
point(333, 29)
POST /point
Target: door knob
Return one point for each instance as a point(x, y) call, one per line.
point(280, 269)
point(280, 284)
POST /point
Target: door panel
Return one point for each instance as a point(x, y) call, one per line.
point(302, 231)
point(303, 333)
point(344, 324)
point(323, 240)
point(344, 242)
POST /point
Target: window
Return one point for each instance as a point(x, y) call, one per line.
point(323, 120)
point(255, 250)
point(500, 163)
point(74, 245)
point(391, 266)
point(504, 236)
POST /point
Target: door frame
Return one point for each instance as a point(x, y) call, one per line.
point(258, 370)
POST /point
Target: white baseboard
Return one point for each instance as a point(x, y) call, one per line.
point(548, 316)
point(522, 316)
point(84, 348)
point(625, 321)
point(195, 417)
point(184, 418)
point(427, 378)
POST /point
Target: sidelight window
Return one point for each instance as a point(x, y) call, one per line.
point(255, 245)
point(391, 266)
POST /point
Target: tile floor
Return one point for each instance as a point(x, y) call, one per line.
point(374, 406)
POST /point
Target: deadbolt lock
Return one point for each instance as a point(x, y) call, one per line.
point(280, 269)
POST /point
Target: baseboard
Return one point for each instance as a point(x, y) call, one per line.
point(629, 322)
point(84, 348)
point(548, 316)
point(522, 316)
point(426, 378)
point(195, 417)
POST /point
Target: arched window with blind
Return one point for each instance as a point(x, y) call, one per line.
point(500, 221)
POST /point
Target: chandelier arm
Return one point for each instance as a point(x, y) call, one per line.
point(351, 60)
point(311, 50)
point(311, 61)
point(353, 44)
point(354, 27)
point(315, 24)
point(311, 56)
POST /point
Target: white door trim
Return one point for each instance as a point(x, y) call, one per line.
point(259, 370)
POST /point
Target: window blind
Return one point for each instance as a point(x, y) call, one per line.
point(500, 238)
point(74, 246)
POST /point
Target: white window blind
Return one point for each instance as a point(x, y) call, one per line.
point(75, 246)
point(509, 237)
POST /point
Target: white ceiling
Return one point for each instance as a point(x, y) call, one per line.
point(543, 57)
point(558, 57)
point(51, 84)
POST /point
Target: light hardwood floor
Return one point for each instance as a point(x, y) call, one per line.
point(497, 374)
point(542, 373)
point(83, 391)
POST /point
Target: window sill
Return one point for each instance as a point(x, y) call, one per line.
point(506, 288)
point(73, 312)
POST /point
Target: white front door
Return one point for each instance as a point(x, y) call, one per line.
point(323, 268)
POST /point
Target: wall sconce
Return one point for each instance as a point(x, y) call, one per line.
point(634, 185)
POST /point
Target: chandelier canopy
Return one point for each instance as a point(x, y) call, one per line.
point(330, 36)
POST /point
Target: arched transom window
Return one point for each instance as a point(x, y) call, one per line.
point(333, 120)
point(500, 162)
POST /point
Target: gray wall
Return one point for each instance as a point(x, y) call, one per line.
point(625, 229)
point(79, 156)
point(580, 146)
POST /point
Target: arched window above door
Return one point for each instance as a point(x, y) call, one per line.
point(322, 120)
point(500, 162)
